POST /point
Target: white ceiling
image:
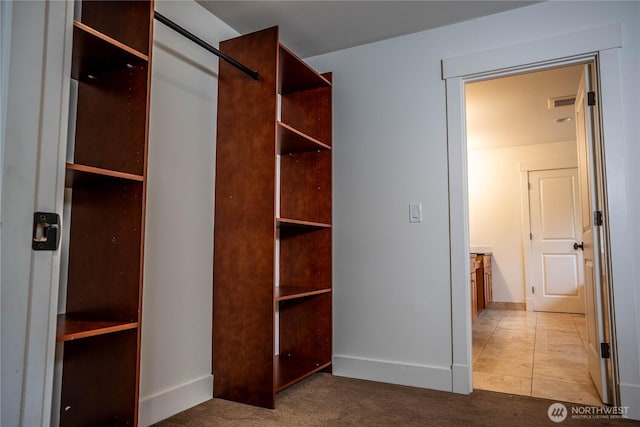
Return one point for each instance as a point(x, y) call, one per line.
point(311, 28)
point(513, 111)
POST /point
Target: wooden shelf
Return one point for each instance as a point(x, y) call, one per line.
point(291, 141)
point(130, 22)
point(111, 121)
point(70, 328)
point(284, 293)
point(295, 223)
point(99, 380)
point(81, 175)
point(295, 75)
point(305, 186)
point(246, 298)
point(290, 370)
point(101, 329)
point(309, 112)
point(95, 53)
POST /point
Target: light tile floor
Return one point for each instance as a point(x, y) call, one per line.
point(532, 354)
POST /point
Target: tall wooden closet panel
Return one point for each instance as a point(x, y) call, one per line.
point(272, 234)
point(101, 324)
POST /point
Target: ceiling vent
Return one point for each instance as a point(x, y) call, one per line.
point(563, 101)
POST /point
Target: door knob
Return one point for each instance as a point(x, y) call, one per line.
point(577, 246)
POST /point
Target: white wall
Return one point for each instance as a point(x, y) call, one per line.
point(392, 307)
point(495, 210)
point(5, 45)
point(177, 300)
point(392, 313)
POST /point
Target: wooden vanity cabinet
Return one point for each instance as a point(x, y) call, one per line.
point(487, 281)
point(481, 283)
point(474, 288)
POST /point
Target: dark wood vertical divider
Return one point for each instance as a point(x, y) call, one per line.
point(272, 263)
point(101, 325)
point(243, 269)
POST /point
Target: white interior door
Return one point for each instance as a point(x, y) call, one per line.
point(590, 237)
point(557, 274)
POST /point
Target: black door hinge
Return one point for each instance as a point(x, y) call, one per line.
point(46, 231)
point(604, 350)
point(591, 99)
point(597, 218)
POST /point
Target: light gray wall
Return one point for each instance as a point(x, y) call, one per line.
point(177, 299)
point(5, 45)
point(392, 306)
point(392, 313)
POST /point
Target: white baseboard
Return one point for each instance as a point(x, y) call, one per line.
point(462, 379)
point(630, 397)
point(432, 377)
point(172, 401)
point(530, 304)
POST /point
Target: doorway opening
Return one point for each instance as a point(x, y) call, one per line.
point(533, 335)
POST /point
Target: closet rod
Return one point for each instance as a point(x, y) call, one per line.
point(166, 21)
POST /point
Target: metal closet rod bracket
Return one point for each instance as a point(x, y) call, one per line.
point(178, 29)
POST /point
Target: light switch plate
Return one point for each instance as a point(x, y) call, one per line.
point(415, 212)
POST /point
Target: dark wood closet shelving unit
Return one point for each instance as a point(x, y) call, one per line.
point(100, 328)
point(272, 236)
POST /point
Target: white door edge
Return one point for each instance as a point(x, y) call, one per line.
point(40, 125)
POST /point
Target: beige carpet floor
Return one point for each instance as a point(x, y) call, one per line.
point(327, 400)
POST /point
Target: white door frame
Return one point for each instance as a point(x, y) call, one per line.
point(601, 42)
point(525, 168)
point(33, 180)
